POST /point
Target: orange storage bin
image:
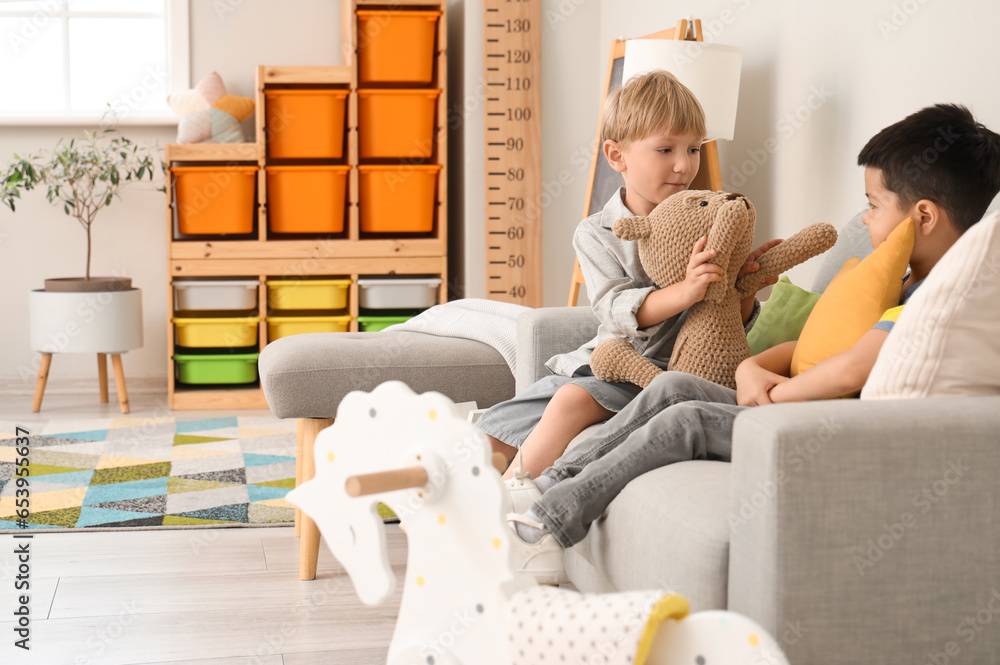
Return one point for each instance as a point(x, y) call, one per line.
point(305, 124)
point(306, 199)
point(396, 46)
point(396, 124)
point(398, 198)
point(215, 200)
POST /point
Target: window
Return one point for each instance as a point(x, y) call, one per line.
point(66, 61)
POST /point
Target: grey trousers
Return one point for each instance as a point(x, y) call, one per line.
point(677, 417)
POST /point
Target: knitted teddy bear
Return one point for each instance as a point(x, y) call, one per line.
point(712, 341)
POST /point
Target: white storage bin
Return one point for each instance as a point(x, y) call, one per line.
point(412, 293)
point(218, 294)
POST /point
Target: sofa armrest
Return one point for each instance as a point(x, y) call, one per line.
point(544, 332)
point(866, 531)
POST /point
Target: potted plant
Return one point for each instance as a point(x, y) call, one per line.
point(83, 177)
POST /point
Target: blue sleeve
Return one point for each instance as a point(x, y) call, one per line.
point(884, 325)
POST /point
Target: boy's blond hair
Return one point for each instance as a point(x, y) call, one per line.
point(648, 103)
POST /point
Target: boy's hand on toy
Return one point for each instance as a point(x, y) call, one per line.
point(751, 265)
point(701, 273)
point(754, 383)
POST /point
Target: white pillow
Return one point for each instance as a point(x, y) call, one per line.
point(947, 339)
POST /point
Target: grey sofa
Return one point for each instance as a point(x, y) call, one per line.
point(854, 531)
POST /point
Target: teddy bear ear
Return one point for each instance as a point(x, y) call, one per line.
point(631, 228)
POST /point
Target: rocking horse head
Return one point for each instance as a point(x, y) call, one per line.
point(449, 488)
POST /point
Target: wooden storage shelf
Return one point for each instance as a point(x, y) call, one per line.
point(367, 248)
point(334, 76)
point(272, 256)
point(213, 152)
point(191, 398)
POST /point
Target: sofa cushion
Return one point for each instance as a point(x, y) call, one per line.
point(669, 530)
point(852, 240)
point(855, 300)
point(947, 339)
point(306, 376)
point(782, 317)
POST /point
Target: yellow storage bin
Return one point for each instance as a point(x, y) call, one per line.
point(396, 46)
point(307, 293)
point(283, 326)
point(203, 332)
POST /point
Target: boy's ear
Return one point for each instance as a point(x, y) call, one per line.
point(927, 216)
point(613, 153)
point(631, 228)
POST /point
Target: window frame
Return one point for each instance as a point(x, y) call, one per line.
point(178, 59)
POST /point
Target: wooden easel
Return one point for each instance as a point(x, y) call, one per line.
point(709, 174)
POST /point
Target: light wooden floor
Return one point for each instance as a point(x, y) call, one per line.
point(189, 597)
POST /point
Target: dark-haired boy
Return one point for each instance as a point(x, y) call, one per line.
point(945, 199)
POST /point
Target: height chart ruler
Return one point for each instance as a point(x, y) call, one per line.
point(512, 64)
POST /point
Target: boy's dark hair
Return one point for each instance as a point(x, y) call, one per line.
point(940, 153)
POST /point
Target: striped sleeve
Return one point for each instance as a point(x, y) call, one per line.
point(888, 319)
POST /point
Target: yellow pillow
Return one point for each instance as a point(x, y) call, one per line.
point(855, 300)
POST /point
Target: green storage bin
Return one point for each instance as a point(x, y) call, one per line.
point(217, 368)
point(376, 323)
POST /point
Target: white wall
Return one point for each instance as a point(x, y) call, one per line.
point(874, 62)
point(860, 64)
point(231, 37)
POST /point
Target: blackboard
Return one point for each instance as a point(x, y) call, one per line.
point(607, 181)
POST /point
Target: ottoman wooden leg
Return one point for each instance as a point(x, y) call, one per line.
point(299, 437)
point(307, 430)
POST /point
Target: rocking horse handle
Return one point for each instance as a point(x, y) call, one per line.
point(399, 479)
point(385, 481)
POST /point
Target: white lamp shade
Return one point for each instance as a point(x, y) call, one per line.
point(710, 71)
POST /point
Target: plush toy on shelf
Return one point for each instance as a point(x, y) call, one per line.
point(208, 114)
point(712, 341)
point(462, 603)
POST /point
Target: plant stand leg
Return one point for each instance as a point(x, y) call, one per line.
point(43, 377)
point(102, 374)
point(308, 428)
point(116, 362)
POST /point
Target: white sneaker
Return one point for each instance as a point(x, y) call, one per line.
point(521, 493)
point(542, 560)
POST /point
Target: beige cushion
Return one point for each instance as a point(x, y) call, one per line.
point(947, 340)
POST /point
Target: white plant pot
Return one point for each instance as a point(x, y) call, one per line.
point(101, 322)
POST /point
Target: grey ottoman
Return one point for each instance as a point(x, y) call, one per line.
point(306, 376)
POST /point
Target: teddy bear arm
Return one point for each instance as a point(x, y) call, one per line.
point(807, 243)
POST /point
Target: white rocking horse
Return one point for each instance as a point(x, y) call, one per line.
point(462, 603)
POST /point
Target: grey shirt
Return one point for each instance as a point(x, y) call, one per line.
point(617, 286)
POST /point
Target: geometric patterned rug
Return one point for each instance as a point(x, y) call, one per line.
point(143, 473)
